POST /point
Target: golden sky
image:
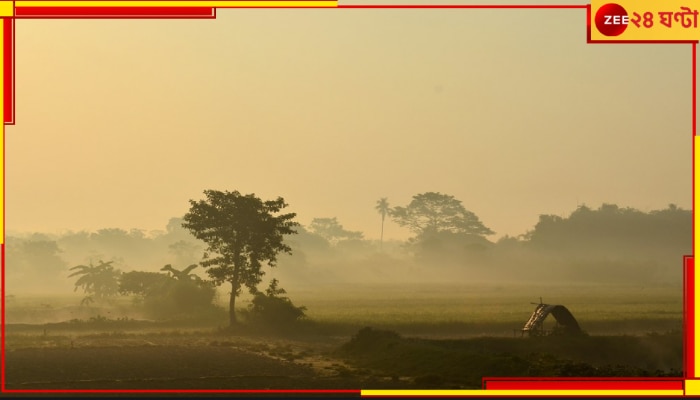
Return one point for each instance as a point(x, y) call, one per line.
point(121, 122)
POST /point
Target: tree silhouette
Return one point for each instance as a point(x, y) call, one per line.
point(331, 230)
point(611, 229)
point(142, 283)
point(183, 275)
point(242, 232)
point(35, 260)
point(272, 307)
point(432, 212)
point(172, 295)
point(185, 251)
point(99, 281)
point(383, 209)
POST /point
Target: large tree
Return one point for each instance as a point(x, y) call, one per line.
point(383, 209)
point(242, 233)
point(331, 230)
point(433, 212)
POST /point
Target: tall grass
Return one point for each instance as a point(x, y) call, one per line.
point(431, 309)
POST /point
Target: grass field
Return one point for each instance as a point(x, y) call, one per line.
point(467, 310)
point(442, 336)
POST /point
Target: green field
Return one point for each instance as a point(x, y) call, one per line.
point(444, 336)
point(467, 310)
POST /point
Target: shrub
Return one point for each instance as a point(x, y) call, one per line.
point(271, 308)
point(180, 299)
point(370, 340)
point(165, 297)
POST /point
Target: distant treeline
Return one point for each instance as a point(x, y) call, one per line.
point(610, 244)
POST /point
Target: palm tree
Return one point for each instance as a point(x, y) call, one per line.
point(382, 208)
point(183, 275)
point(100, 281)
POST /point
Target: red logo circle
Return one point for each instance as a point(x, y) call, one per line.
point(611, 19)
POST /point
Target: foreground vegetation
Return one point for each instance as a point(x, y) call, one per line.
point(421, 336)
point(102, 354)
point(435, 310)
point(463, 363)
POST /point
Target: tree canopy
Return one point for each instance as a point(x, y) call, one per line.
point(176, 294)
point(331, 230)
point(242, 232)
point(613, 228)
point(99, 281)
point(434, 212)
point(36, 262)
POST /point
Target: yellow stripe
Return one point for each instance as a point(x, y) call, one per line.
point(7, 9)
point(692, 387)
point(184, 3)
point(520, 392)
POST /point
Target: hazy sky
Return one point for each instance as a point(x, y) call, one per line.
point(121, 122)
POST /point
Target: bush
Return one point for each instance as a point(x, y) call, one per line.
point(271, 308)
point(178, 298)
point(369, 340)
point(167, 297)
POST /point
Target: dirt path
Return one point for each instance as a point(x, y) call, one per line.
point(177, 364)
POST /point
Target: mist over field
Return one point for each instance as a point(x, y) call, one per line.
point(607, 244)
point(444, 172)
point(342, 309)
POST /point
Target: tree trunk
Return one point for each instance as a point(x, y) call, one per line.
point(381, 238)
point(232, 305)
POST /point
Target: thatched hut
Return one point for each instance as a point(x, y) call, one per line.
point(565, 321)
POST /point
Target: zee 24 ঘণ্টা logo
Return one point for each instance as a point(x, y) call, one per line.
point(612, 19)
